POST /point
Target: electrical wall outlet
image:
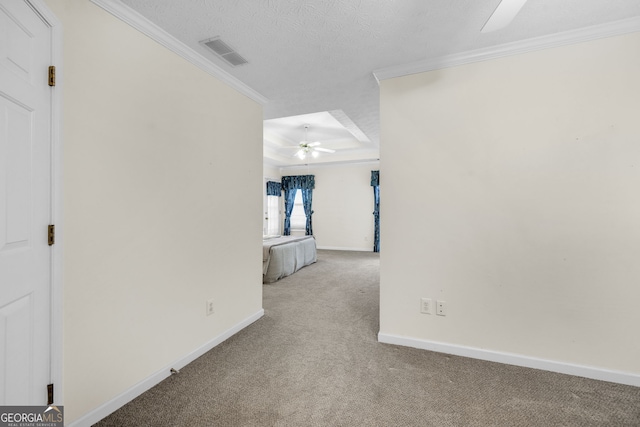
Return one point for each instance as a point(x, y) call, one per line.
point(209, 307)
point(425, 305)
point(441, 308)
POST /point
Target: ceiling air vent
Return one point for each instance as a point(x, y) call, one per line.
point(224, 51)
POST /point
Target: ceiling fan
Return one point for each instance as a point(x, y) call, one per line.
point(306, 147)
point(503, 15)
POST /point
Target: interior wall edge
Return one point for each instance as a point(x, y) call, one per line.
point(151, 30)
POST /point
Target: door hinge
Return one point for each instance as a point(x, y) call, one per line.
point(51, 234)
point(49, 394)
point(52, 75)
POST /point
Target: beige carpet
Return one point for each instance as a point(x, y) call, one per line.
point(313, 360)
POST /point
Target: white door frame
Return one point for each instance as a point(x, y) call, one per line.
point(40, 7)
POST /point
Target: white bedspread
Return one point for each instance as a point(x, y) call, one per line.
point(284, 256)
point(279, 240)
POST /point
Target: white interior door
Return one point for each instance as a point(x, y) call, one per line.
point(25, 205)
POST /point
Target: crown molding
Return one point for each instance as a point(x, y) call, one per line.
point(151, 30)
point(611, 29)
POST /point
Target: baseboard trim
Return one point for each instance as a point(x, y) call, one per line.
point(109, 407)
point(339, 248)
point(514, 359)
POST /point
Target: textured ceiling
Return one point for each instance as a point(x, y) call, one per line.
point(313, 56)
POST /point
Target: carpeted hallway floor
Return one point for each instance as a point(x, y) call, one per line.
point(313, 360)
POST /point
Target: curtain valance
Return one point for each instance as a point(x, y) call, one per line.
point(375, 178)
point(274, 188)
point(302, 182)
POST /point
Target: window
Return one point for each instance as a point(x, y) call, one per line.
point(273, 216)
point(298, 218)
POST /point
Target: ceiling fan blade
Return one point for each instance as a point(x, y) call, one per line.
point(325, 150)
point(298, 153)
point(313, 144)
point(503, 15)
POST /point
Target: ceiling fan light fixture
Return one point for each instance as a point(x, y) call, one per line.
point(306, 147)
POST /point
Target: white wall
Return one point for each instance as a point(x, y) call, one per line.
point(271, 172)
point(521, 176)
point(342, 205)
point(149, 234)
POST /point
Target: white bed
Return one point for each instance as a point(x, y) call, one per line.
point(284, 255)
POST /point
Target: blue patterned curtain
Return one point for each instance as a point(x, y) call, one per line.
point(289, 200)
point(291, 184)
point(274, 188)
point(307, 197)
point(375, 178)
point(375, 183)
